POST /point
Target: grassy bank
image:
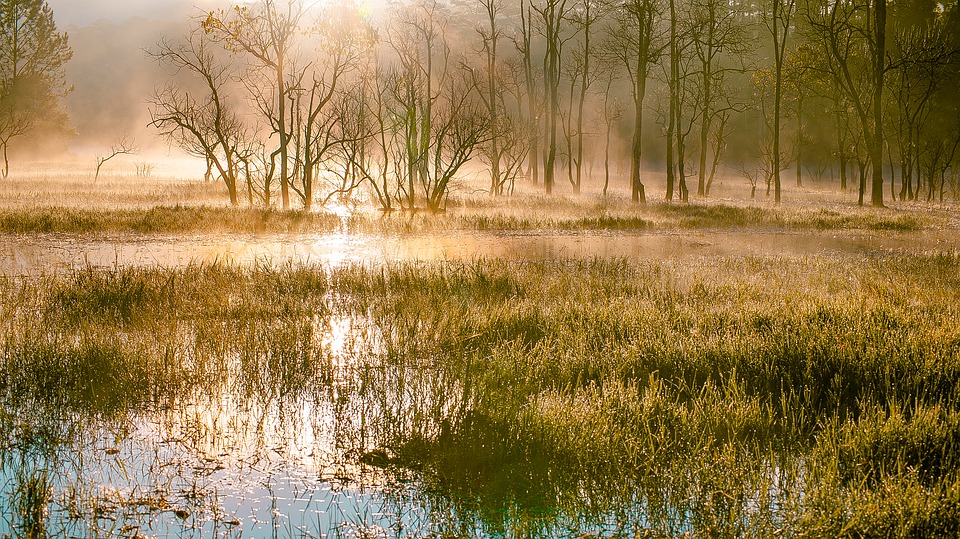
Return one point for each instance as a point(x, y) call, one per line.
point(739, 397)
point(509, 217)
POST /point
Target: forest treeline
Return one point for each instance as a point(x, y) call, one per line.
point(299, 105)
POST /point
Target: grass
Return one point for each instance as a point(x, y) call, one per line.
point(203, 219)
point(31, 497)
point(64, 198)
point(53, 186)
point(163, 219)
point(731, 397)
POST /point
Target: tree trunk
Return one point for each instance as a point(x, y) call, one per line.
point(552, 75)
point(681, 160)
point(638, 194)
point(705, 119)
point(284, 137)
point(800, 139)
point(584, 80)
point(533, 164)
point(496, 185)
point(704, 132)
point(568, 135)
point(876, 151)
point(777, 95)
point(671, 128)
point(862, 167)
point(606, 162)
point(905, 172)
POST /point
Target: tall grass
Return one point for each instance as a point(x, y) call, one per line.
point(721, 397)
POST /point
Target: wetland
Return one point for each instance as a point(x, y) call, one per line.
point(710, 370)
point(428, 269)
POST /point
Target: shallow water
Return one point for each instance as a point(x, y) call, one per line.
point(270, 457)
point(46, 253)
point(231, 466)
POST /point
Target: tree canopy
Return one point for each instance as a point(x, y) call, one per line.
point(32, 56)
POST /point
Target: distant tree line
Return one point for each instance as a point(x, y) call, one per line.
point(303, 107)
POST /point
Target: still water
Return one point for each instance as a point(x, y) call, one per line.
point(34, 254)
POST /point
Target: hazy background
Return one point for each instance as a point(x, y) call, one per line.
point(110, 74)
point(82, 12)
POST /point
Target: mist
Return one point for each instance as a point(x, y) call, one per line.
point(585, 122)
point(73, 13)
point(482, 269)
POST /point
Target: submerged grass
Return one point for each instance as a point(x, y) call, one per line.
point(724, 397)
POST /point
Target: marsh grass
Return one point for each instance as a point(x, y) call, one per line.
point(30, 499)
point(720, 397)
point(163, 219)
point(569, 217)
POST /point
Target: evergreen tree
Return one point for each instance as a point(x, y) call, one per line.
point(32, 55)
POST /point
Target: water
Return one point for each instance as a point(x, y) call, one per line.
point(248, 449)
point(262, 454)
point(146, 485)
point(208, 472)
point(33, 254)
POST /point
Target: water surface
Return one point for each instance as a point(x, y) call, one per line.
point(32, 254)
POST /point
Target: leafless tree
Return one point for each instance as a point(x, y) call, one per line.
point(924, 58)
point(316, 99)
point(853, 35)
point(266, 33)
point(124, 146)
point(776, 19)
point(613, 109)
point(719, 41)
point(531, 79)
point(437, 104)
point(636, 42)
point(585, 17)
point(207, 127)
point(552, 17)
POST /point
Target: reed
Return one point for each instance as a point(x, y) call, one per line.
point(722, 397)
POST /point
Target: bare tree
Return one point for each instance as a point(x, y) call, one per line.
point(687, 95)
point(719, 40)
point(461, 129)
point(854, 42)
point(513, 133)
point(771, 158)
point(266, 32)
point(776, 18)
point(553, 14)
point(207, 127)
point(490, 36)
point(923, 66)
point(612, 111)
point(124, 146)
point(317, 129)
point(636, 43)
point(585, 18)
point(673, 84)
point(524, 45)
point(437, 106)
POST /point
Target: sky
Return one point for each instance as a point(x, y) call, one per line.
point(83, 12)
